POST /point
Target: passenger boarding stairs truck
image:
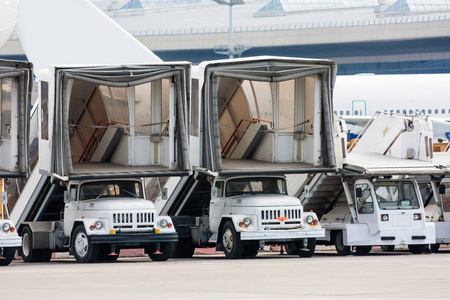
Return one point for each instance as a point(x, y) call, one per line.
point(374, 200)
point(252, 121)
point(101, 130)
point(16, 80)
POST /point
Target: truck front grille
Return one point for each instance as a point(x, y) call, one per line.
point(133, 221)
point(281, 218)
point(273, 214)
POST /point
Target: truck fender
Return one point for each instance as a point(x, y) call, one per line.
point(88, 222)
point(236, 219)
point(170, 226)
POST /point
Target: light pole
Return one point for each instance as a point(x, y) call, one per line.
point(231, 52)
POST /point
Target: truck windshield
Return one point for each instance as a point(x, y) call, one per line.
point(261, 185)
point(111, 189)
point(396, 195)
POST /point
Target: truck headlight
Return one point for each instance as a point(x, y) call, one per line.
point(247, 221)
point(417, 217)
point(310, 219)
point(384, 217)
point(98, 225)
point(6, 227)
point(163, 223)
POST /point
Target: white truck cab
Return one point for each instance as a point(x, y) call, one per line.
point(379, 212)
point(99, 218)
point(246, 212)
point(9, 239)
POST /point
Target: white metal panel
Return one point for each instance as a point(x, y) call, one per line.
point(284, 148)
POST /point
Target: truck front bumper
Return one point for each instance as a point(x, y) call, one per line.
point(13, 241)
point(134, 239)
point(281, 235)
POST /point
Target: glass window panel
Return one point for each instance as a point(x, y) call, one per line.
point(165, 109)
point(194, 108)
point(142, 109)
point(120, 102)
point(248, 92)
point(286, 106)
point(263, 94)
point(6, 108)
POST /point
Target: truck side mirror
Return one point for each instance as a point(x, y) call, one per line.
point(358, 192)
point(164, 193)
point(4, 198)
point(67, 197)
point(441, 189)
point(214, 192)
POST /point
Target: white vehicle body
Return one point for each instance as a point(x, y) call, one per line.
point(364, 205)
point(379, 212)
point(274, 216)
point(9, 238)
point(100, 217)
point(243, 213)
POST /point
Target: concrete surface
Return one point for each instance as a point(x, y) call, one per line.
point(397, 275)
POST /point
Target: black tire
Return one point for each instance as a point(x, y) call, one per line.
point(8, 256)
point(434, 248)
point(291, 248)
point(184, 248)
point(311, 247)
point(341, 249)
point(105, 253)
point(360, 250)
point(417, 249)
point(231, 240)
point(28, 253)
point(251, 249)
point(388, 248)
point(83, 250)
point(165, 252)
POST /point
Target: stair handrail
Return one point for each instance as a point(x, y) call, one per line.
point(253, 120)
point(95, 131)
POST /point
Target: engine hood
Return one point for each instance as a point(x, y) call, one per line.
point(262, 201)
point(116, 204)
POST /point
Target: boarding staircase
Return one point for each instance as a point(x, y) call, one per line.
point(322, 193)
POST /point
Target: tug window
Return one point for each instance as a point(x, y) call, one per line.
point(364, 202)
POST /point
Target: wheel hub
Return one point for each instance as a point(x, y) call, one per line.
point(227, 240)
point(81, 244)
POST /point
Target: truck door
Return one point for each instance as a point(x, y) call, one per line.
point(70, 210)
point(365, 205)
point(216, 205)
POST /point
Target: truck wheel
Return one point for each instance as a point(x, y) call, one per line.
point(291, 248)
point(165, 251)
point(184, 248)
point(434, 248)
point(83, 250)
point(417, 249)
point(28, 253)
point(8, 255)
point(311, 247)
point(363, 249)
point(388, 248)
point(251, 249)
point(339, 244)
point(231, 240)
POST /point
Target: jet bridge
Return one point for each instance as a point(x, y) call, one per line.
point(263, 115)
